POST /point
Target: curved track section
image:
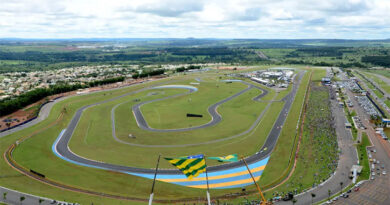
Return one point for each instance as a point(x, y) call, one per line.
point(215, 116)
point(62, 150)
point(212, 110)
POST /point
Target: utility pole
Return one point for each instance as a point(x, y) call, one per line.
point(254, 181)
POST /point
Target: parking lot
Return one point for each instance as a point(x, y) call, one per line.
point(376, 190)
point(367, 105)
point(373, 192)
point(358, 123)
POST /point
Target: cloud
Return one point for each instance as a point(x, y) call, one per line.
point(347, 6)
point(195, 18)
point(167, 8)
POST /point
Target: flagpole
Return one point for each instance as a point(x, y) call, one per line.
point(154, 181)
point(254, 180)
point(207, 181)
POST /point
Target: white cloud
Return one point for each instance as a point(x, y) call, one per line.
point(195, 18)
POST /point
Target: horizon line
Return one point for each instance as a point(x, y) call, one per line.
point(189, 38)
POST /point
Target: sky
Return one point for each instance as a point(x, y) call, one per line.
point(260, 19)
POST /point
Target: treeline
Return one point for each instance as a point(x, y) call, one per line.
point(191, 67)
point(377, 60)
point(41, 60)
point(10, 105)
point(150, 73)
point(318, 52)
point(106, 81)
point(321, 63)
point(75, 56)
point(216, 51)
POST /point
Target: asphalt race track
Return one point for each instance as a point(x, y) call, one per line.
point(61, 145)
point(215, 116)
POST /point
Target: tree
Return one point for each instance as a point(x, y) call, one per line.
point(22, 198)
point(312, 197)
point(5, 195)
point(341, 187)
point(329, 193)
point(40, 201)
point(64, 110)
point(294, 200)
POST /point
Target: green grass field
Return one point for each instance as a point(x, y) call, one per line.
point(380, 82)
point(362, 153)
point(387, 102)
point(279, 161)
point(381, 72)
point(98, 143)
point(280, 156)
point(35, 153)
point(318, 150)
point(92, 139)
point(171, 113)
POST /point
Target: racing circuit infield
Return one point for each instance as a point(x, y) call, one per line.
point(222, 176)
point(228, 175)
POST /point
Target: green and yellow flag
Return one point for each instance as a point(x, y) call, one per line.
point(229, 158)
point(191, 166)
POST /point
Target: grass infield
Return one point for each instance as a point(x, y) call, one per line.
point(93, 139)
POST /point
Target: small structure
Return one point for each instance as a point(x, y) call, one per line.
point(386, 122)
point(358, 168)
point(326, 81)
point(355, 170)
point(382, 134)
point(260, 80)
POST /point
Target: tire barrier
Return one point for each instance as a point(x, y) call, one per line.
point(193, 115)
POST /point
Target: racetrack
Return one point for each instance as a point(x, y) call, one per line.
point(215, 116)
point(61, 145)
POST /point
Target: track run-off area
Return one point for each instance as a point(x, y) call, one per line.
point(73, 142)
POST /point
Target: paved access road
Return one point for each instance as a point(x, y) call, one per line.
point(13, 197)
point(43, 114)
point(64, 151)
point(377, 190)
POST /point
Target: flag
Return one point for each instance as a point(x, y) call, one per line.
point(191, 166)
point(229, 158)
